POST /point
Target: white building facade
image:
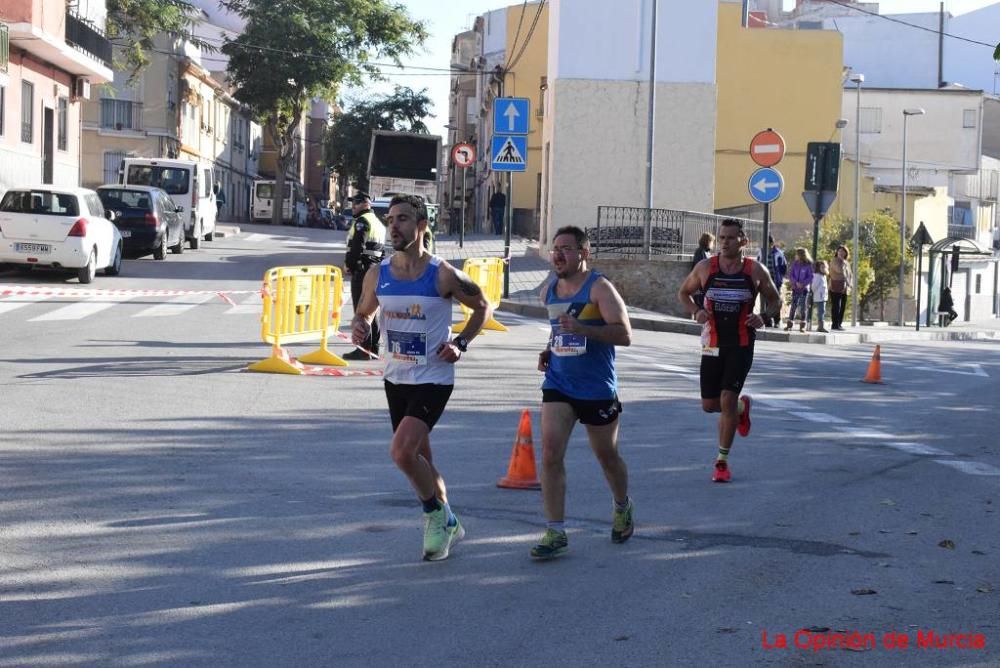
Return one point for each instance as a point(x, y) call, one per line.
point(597, 109)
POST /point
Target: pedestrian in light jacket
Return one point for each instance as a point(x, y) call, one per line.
point(820, 291)
point(800, 278)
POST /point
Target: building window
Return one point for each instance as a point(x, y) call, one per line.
point(3, 107)
point(113, 164)
point(27, 107)
point(121, 114)
point(969, 117)
point(979, 284)
point(870, 121)
point(62, 138)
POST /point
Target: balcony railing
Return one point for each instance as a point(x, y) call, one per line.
point(86, 38)
point(621, 231)
point(961, 231)
point(121, 114)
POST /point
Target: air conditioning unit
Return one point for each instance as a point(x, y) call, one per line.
point(81, 88)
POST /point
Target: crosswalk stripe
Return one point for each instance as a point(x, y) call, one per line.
point(83, 309)
point(14, 303)
point(175, 306)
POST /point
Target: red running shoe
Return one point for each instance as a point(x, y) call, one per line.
point(721, 472)
point(743, 426)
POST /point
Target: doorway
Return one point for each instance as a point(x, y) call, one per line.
point(48, 155)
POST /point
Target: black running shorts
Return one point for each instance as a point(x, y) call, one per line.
point(727, 371)
point(425, 402)
point(596, 412)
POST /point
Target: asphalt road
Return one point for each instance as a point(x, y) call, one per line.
point(160, 506)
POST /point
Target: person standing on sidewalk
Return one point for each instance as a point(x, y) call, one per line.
point(365, 248)
point(800, 278)
point(415, 290)
point(820, 290)
point(841, 284)
point(588, 319)
point(731, 284)
point(777, 267)
point(498, 204)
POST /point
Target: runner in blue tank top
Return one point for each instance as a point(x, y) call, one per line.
point(415, 291)
point(588, 319)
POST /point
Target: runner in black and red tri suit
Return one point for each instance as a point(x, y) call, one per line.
point(730, 283)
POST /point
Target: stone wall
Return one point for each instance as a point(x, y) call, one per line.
point(650, 285)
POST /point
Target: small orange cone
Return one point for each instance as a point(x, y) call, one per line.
point(521, 471)
point(874, 374)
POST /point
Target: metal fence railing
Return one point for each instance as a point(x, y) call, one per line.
point(87, 38)
point(621, 232)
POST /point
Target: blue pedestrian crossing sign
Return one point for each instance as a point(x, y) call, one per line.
point(766, 185)
point(511, 115)
point(509, 154)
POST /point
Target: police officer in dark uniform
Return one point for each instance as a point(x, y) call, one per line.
point(365, 247)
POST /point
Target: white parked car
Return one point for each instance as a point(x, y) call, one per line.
point(61, 228)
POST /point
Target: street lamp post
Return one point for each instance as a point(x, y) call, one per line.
point(857, 79)
point(916, 111)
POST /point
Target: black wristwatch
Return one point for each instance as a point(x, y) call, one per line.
point(461, 343)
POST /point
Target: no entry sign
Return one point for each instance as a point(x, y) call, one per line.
point(767, 148)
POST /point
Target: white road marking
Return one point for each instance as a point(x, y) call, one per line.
point(83, 309)
point(14, 303)
point(684, 372)
point(919, 449)
point(825, 418)
point(251, 305)
point(970, 468)
point(973, 370)
point(255, 237)
point(175, 306)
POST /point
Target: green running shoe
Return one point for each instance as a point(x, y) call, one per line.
point(438, 536)
point(553, 544)
point(621, 525)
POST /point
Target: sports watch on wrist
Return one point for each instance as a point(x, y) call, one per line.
point(461, 343)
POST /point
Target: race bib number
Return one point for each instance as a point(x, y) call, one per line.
point(707, 349)
point(407, 347)
point(566, 344)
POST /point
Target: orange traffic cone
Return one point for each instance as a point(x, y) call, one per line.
point(874, 374)
point(521, 471)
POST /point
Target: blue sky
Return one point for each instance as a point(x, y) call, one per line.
point(445, 18)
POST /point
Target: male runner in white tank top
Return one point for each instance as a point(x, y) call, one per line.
point(415, 291)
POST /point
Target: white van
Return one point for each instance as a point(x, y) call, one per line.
point(190, 185)
point(293, 205)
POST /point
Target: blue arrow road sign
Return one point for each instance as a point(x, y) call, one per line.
point(766, 185)
point(510, 115)
point(509, 154)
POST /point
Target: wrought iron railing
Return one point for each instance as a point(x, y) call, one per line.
point(85, 37)
point(961, 231)
point(621, 231)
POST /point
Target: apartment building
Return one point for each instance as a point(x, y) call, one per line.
point(175, 109)
point(51, 53)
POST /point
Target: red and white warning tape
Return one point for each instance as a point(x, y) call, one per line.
point(37, 291)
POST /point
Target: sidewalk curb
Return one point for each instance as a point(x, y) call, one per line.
point(877, 335)
point(223, 231)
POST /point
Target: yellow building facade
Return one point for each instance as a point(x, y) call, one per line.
point(787, 80)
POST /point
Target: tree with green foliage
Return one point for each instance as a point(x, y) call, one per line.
point(132, 26)
point(292, 52)
point(878, 261)
point(348, 139)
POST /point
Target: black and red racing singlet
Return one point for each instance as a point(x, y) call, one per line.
point(729, 300)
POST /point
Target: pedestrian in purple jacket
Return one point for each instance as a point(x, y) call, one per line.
point(800, 277)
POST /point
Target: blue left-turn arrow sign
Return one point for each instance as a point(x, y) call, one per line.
point(766, 185)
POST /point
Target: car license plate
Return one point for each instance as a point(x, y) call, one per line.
point(126, 234)
point(33, 248)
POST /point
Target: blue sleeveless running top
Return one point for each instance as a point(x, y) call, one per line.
point(415, 320)
point(578, 367)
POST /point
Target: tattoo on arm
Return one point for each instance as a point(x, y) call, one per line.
point(467, 285)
